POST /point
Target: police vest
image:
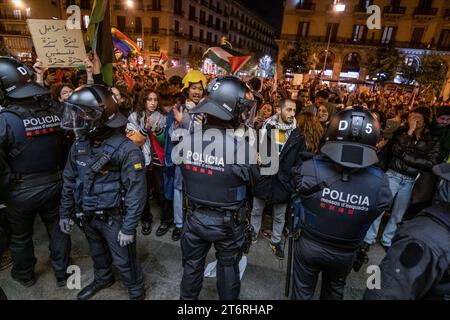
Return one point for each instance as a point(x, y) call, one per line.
point(208, 179)
point(98, 184)
point(340, 214)
point(38, 140)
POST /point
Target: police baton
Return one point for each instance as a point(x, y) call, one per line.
point(132, 256)
point(291, 214)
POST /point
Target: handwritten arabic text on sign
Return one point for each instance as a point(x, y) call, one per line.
point(57, 46)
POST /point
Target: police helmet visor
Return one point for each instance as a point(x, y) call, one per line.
point(79, 118)
point(350, 155)
point(211, 107)
point(29, 90)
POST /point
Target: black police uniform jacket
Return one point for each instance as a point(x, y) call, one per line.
point(31, 141)
point(340, 213)
point(417, 266)
point(209, 179)
point(120, 184)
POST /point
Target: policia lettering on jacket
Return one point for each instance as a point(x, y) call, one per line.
point(340, 194)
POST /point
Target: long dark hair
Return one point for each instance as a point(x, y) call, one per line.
point(142, 102)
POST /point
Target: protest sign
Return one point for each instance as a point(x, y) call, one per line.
point(56, 45)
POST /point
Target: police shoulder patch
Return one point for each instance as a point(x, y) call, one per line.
point(138, 166)
point(411, 255)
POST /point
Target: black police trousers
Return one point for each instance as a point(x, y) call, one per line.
point(311, 259)
point(5, 232)
point(201, 230)
point(22, 207)
point(105, 250)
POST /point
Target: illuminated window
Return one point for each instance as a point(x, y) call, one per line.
point(139, 42)
point(28, 12)
point(17, 14)
point(86, 21)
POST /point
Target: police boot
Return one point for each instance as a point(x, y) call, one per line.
point(91, 289)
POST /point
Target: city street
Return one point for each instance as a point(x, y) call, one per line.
point(264, 278)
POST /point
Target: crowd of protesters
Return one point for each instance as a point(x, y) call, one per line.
point(416, 136)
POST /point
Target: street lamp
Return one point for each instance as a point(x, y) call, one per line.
point(130, 4)
point(337, 7)
point(18, 3)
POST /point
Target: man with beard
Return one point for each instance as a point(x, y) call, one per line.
point(276, 188)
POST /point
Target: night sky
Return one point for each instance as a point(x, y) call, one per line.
point(270, 10)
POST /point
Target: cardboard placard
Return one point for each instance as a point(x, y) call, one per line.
point(56, 45)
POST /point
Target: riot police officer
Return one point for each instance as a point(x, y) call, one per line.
point(341, 194)
point(417, 266)
point(32, 155)
point(216, 189)
point(104, 187)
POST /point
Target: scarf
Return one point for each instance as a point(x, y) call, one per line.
point(283, 130)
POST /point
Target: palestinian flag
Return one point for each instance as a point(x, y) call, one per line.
point(99, 33)
point(227, 58)
point(163, 58)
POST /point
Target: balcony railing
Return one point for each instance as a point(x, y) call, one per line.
point(14, 32)
point(362, 42)
point(153, 8)
point(204, 3)
point(425, 11)
point(177, 51)
point(193, 18)
point(394, 10)
point(306, 6)
point(12, 17)
point(447, 13)
point(179, 12)
point(358, 9)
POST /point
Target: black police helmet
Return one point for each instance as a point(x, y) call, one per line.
point(17, 80)
point(97, 100)
point(226, 99)
point(352, 137)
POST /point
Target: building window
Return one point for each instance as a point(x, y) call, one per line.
point(155, 25)
point(210, 20)
point(201, 35)
point(332, 31)
point(303, 29)
point(155, 46)
point(156, 5)
point(416, 38)
point(138, 24)
point(28, 12)
point(85, 5)
point(192, 13)
point(17, 14)
point(359, 33)
point(139, 42)
point(215, 39)
point(218, 23)
point(444, 39)
point(190, 49)
point(121, 23)
point(208, 37)
point(202, 17)
point(86, 21)
point(388, 35)
point(177, 26)
point(191, 32)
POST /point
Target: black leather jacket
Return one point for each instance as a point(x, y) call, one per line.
point(410, 156)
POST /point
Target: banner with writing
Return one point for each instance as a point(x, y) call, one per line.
point(56, 45)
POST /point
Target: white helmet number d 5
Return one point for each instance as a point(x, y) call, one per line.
point(216, 86)
point(369, 128)
point(22, 70)
point(343, 125)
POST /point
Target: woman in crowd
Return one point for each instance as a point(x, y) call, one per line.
point(312, 129)
point(147, 125)
point(194, 85)
point(412, 151)
point(323, 115)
